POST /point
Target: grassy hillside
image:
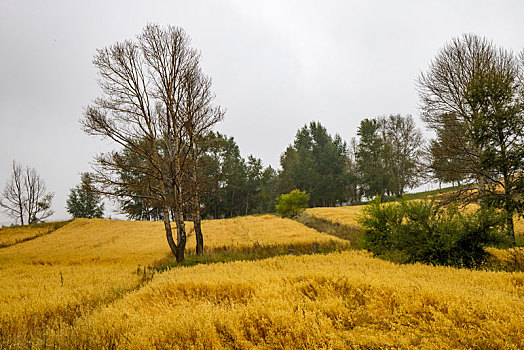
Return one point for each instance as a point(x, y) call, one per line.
point(51, 280)
point(88, 285)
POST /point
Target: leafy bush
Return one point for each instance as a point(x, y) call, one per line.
point(412, 231)
point(292, 203)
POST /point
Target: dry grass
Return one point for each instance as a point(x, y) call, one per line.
point(50, 281)
point(340, 300)
point(81, 287)
point(347, 215)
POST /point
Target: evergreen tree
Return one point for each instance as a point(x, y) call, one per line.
point(370, 158)
point(84, 201)
point(316, 163)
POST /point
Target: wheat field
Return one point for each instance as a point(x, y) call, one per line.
point(51, 280)
point(83, 286)
point(336, 301)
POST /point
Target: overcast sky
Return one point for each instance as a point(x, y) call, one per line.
point(275, 65)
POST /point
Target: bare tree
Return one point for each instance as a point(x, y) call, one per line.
point(198, 116)
point(13, 197)
point(446, 103)
point(143, 110)
point(406, 144)
point(25, 197)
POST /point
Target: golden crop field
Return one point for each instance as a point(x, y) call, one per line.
point(335, 301)
point(84, 286)
point(347, 215)
point(50, 281)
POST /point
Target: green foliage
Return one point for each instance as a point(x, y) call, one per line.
point(472, 98)
point(232, 185)
point(412, 231)
point(84, 201)
point(292, 204)
point(317, 163)
point(388, 156)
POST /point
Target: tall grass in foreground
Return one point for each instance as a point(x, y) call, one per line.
point(340, 300)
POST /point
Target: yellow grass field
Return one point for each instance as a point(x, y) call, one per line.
point(335, 301)
point(51, 280)
point(83, 286)
point(347, 215)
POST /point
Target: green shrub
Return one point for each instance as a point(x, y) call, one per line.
point(412, 231)
point(292, 203)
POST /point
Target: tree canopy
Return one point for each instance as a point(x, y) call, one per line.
point(316, 163)
point(472, 96)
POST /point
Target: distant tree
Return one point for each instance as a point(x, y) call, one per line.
point(353, 192)
point(25, 197)
point(406, 151)
point(292, 203)
point(232, 185)
point(84, 201)
point(318, 164)
point(472, 96)
point(389, 155)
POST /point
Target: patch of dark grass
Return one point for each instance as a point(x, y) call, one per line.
point(257, 251)
point(351, 233)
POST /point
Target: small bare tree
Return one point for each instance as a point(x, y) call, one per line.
point(25, 197)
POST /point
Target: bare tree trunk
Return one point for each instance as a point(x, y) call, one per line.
point(169, 232)
point(510, 227)
point(179, 215)
point(197, 220)
point(482, 188)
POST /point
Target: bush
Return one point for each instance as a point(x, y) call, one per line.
point(412, 231)
point(292, 204)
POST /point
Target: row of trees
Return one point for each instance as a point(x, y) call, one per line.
point(157, 105)
point(228, 184)
point(385, 160)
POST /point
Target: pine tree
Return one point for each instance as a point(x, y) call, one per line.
point(84, 201)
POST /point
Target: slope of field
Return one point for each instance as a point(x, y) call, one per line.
point(339, 300)
point(13, 235)
point(347, 215)
point(50, 281)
